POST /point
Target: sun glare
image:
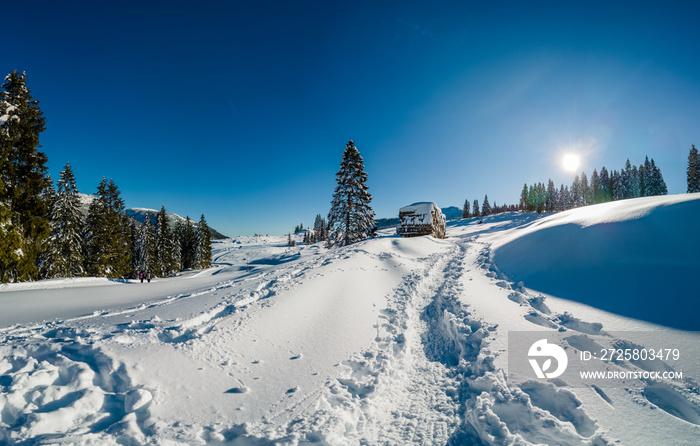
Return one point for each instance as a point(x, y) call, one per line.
point(571, 162)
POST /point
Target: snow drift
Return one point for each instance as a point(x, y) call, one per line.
point(639, 258)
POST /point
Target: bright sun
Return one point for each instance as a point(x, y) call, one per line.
point(571, 162)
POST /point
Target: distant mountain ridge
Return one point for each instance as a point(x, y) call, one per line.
point(139, 214)
point(452, 212)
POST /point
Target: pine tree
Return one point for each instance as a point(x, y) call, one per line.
point(618, 185)
point(563, 202)
point(693, 172)
point(120, 234)
point(656, 184)
point(635, 186)
point(594, 187)
point(551, 197)
point(541, 197)
point(646, 174)
point(49, 194)
point(23, 178)
point(134, 240)
point(524, 202)
point(165, 246)
point(486, 207)
point(188, 245)
point(465, 209)
point(576, 193)
point(203, 240)
point(107, 234)
point(627, 181)
point(10, 246)
point(476, 212)
point(96, 234)
point(320, 229)
point(64, 257)
point(604, 188)
point(146, 251)
point(586, 196)
point(351, 218)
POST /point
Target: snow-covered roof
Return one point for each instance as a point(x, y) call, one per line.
point(422, 207)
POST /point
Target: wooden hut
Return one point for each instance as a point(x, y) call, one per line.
point(422, 218)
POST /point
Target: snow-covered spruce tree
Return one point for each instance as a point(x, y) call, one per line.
point(10, 245)
point(177, 252)
point(188, 244)
point(576, 193)
point(486, 207)
point(134, 233)
point(635, 184)
point(551, 197)
point(604, 188)
point(95, 234)
point(594, 187)
point(203, 252)
point(23, 177)
point(351, 218)
point(49, 194)
point(64, 256)
point(629, 181)
point(586, 196)
point(614, 185)
point(655, 180)
point(563, 203)
point(165, 246)
point(540, 197)
point(146, 250)
point(107, 234)
point(320, 229)
point(693, 173)
point(645, 180)
point(523, 198)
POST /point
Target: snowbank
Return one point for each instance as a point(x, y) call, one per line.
point(639, 258)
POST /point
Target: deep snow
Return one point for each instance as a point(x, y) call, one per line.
point(389, 341)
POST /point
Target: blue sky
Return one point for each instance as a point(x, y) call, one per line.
point(241, 109)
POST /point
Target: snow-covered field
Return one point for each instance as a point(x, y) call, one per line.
point(390, 341)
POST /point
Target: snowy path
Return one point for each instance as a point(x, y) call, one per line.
point(412, 396)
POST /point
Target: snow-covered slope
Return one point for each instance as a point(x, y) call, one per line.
point(639, 258)
point(390, 341)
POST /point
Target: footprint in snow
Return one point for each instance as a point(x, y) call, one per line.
point(292, 390)
point(241, 389)
point(295, 357)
